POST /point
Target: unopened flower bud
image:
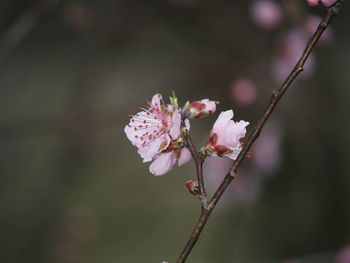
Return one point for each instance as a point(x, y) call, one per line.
point(199, 109)
point(192, 187)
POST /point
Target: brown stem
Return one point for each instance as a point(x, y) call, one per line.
point(276, 97)
point(198, 160)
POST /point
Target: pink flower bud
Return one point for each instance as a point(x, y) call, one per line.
point(192, 187)
point(266, 14)
point(199, 109)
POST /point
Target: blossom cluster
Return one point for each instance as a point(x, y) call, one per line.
point(159, 132)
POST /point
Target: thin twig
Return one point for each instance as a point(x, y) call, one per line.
point(198, 160)
point(276, 97)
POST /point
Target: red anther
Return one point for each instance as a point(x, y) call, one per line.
point(147, 113)
point(136, 136)
point(241, 143)
point(129, 115)
point(139, 108)
point(129, 125)
point(135, 129)
point(147, 101)
point(249, 155)
point(133, 120)
point(140, 126)
point(150, 137)
point(146, 126)
point(217, 102)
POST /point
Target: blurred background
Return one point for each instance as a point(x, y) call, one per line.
point(73, 188)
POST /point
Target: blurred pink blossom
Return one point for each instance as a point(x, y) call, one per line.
point(266, 151)
point(244, 92)
point(245, 188)
point(290, 48)
point(325, 2)
point(266, 14)
point(344, 255)
point(310, 25)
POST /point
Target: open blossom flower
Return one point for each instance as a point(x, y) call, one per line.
point(165, 161)
point(152, 129)
point(225, 136)
point(325, 2)
point(199, 109)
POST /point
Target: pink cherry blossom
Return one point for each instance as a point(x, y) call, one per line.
point(153, 128)
point(344, 255)
point(244, 92)
point(324, 2)
point(225, 136)
point(164, 162)
point(266, 14)
point(199, 109)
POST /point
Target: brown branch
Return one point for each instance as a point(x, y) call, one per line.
point(276, 97)
point(198, 160)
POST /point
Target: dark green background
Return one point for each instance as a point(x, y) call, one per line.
point(73, 188)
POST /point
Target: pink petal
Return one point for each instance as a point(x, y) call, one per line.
point(156, 100)
point(175, 125)
point(222, 121)
point(149, 151)
point(163, 163)
point(187, 124)
point(233, 132)
point(185, 156)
